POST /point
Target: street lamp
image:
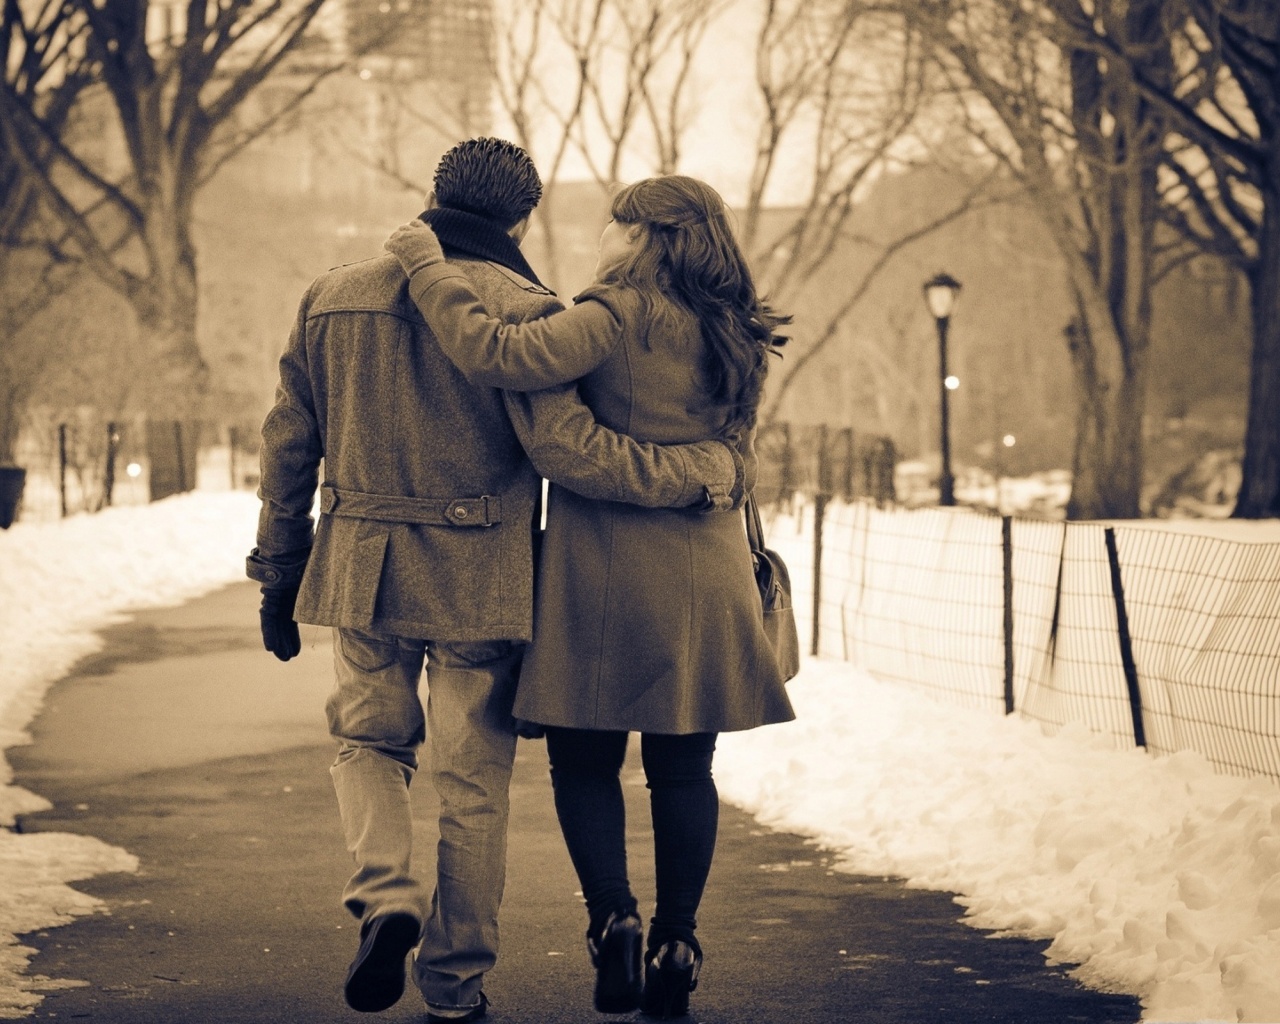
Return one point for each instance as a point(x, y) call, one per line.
point(940, 294)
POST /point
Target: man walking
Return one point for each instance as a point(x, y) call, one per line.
point(423, 552)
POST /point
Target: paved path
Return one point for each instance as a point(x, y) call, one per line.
point(186, 744)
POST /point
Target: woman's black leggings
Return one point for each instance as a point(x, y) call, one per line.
point(585, 769)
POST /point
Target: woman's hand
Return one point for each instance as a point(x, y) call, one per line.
point(415, 245)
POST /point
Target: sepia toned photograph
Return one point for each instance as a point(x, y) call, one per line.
point(570, 511)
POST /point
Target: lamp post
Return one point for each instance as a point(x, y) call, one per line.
point(940, 294)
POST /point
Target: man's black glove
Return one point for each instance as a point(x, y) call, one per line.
point(279, 631)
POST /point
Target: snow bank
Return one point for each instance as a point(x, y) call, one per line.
point(1155, 875)
point(60, 583)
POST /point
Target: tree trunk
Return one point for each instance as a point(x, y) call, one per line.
point(1260, 480)
point(167, 310)
point(1107, 459)
point(22, 361)
point(1109, 342)
point(12, 402)
point(175, 391)
point(171, 450)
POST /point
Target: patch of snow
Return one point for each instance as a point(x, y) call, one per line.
point(62, 582)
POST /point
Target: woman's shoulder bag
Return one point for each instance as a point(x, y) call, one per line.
point(774, 583)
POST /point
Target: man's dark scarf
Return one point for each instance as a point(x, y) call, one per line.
point(467, 234)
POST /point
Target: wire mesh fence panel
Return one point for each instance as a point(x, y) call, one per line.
point(924, 602)
point(1204, 617)
point(1140, 634)
point(66, 472)
point(76, 462)
point(847, 529)
point(1083, 678)
point(805, 459)
point(1037, 553)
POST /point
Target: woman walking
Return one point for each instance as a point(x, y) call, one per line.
point(646, 620)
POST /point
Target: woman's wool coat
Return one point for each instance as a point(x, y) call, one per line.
point(644, 619)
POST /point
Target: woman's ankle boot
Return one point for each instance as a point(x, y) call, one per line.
point(670, 974)
point(614, 945)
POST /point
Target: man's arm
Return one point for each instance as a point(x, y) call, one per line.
point(525, 357)
point(568, 447)
point(291, 453)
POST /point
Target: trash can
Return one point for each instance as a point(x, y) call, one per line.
point(12, 481)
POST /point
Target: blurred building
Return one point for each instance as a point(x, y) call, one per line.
point(403, 80)
point(446, 43)
point(399, 82)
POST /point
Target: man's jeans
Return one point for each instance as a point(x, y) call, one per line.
point(376, 715)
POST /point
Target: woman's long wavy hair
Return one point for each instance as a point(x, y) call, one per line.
point(689, 256)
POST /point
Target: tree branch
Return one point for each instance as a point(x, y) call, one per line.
point(264, 63)
point(887, 254)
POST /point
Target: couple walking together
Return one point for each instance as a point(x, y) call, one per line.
point(433, 387)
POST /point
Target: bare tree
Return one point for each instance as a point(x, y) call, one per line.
point(41, 59)
point(830, 328)
point(612, 86)
point(601, 81)
point(171, 79)
point(1220, 183)
point(609, 81)
point(1085, 144)
point(848, 82)
point(833, 77)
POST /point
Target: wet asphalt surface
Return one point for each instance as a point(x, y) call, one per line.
point(186, 744)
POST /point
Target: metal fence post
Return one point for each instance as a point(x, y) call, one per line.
point(787, 477)
point(109, 470)
point(847, 483)
point(182, 460)
point(820, 499)
point(1126, 642)
point(232, 437)
point(1006, 545)
point(62, 467)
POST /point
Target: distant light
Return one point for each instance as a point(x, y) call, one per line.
point(952, 382)
point(134, 470)
point(1009, 440)
point(365, 74)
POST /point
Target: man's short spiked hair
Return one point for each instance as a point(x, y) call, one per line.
point(489, 177)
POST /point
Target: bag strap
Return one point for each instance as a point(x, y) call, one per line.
point(755, 528)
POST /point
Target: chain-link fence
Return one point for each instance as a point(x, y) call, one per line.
point(827, 460)
point(1160, 638)
point(79, 461)
point(1165, 639)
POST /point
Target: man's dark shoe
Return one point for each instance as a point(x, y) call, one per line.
point(475, 1013)
point(376, 979)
